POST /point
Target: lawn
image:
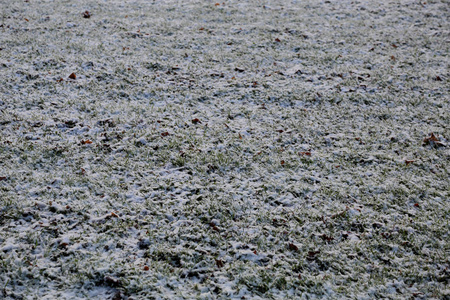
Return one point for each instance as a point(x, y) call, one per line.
point(229, 150)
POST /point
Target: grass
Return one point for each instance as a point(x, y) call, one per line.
point(306, 174)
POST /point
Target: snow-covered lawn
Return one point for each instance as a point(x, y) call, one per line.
point(241, 149)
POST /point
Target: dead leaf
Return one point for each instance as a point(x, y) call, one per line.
point(305, 153)
point(73, 76)
point(293, 247)
point(433, 140)
point(277, 40)
point(195, 121)
point(86, 142)
point(219, 263)
point(327, 238)
point(146, 268)
point(113, 214)
point(409, 161)
point(282, 162)
point(165, 133)
point(86, 14)
point(112, 281)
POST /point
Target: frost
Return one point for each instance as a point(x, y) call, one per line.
point(276, 150)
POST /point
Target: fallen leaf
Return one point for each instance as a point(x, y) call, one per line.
point(113, 214)
point(305, 153)
point(326, 238)
point(293, 247)
point(146, 268)
point(165, 134)
point(217, 4)
point(282, 162)
point(219, 263)
point(86, 142)
point(195, 121)
point(433, 140)
point(73, 76)
point(416, 204)
point(27, 20)
point(277, 40)
point(409, 161)
point(112, 281)
point(86, 14)
point(394, 45)
point(438, 78)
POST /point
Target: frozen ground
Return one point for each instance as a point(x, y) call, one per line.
point(245, 149)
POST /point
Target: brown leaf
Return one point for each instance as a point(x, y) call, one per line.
point(73, 76)
point(416, 204)
point(305, 153)
point(293, 247)
point(112, 281)
point(219, 263)
point(27, 20)
point(438, 78)
point(113, 214)
point(327, 238)
point(146, 268)
point(195, 121)
point(433, 140)
point(86, 14)
point(407, 162)
point(282, 162)
point(277, 40)
point(86, 142)
point(165, 133)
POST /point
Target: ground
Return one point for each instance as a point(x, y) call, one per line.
point(230, 150)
